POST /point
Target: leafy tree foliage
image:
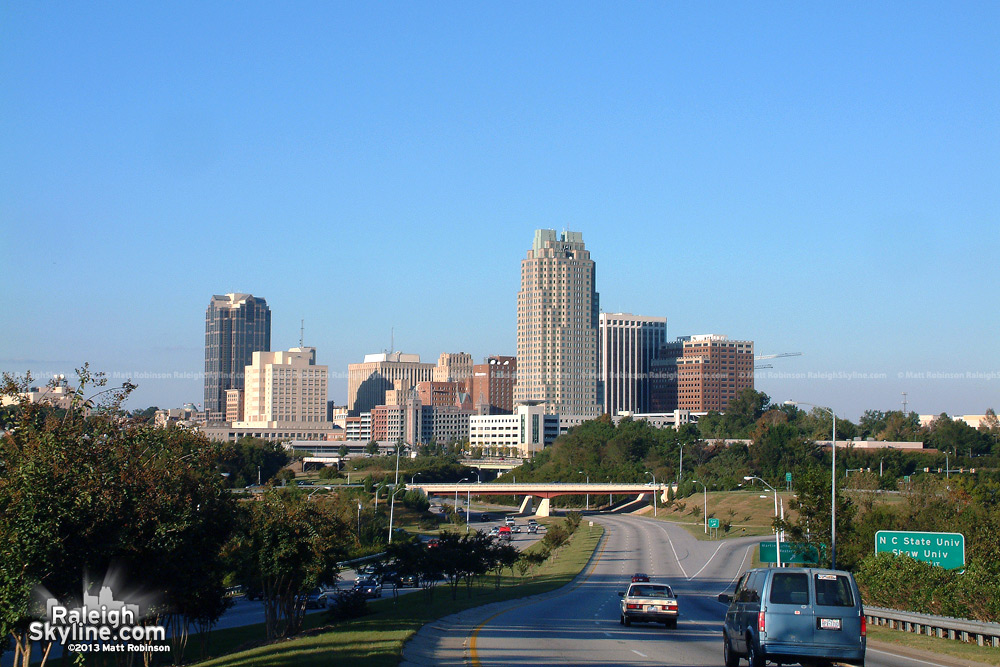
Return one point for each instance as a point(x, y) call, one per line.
point(243, 459)
point(284, 545)
point(83, 495)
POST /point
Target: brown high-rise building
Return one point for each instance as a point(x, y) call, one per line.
point(437, 394)
point(701, 373)
point(493, 385)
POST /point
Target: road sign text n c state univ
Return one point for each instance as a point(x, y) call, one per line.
point(944, 549)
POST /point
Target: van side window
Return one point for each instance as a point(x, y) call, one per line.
point(741, 590)
point(833, 591)
point(790, 588)
point(754, 585)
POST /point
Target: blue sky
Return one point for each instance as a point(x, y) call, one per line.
point(823, 180)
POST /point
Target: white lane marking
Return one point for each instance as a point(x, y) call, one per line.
point(739, 570)
point(637, 653)
point(896, 655)
point(607, 634)
point(676, 557)
point(708, 561)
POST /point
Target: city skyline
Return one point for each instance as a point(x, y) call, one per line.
point(815, 181)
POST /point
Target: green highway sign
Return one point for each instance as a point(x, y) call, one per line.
point(788, 476)
point(791, 552)
point(944, 549)
point(713, 523)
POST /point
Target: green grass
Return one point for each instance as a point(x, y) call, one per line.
point(377, 639)
point(923, 643)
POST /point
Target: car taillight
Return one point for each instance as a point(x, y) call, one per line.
point(671, 607)
point(631, 606)
point(760, 622)
point(864, 625)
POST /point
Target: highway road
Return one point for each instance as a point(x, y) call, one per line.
point(578, 625)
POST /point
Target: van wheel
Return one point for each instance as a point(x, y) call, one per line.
point(754, 658)
point(621, 620)
point(730, 658)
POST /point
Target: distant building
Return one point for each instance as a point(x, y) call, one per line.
point(57, 393)
point(368, 381)
point(557, 313)
point(438, 394)
point(701, 373)
point(285, 390)
point(387, 422)
point(975, 421)
point(236, 326)
point(629, 344)
point(234, 405)
point(454, 367)
point(493, 385)
point(527, 431)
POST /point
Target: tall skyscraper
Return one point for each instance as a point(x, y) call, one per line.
point(454, 367)
point(236, 326)
point(701, 373)
point(629, 344)
point(557, 312)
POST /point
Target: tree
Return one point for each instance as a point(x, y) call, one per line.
point(81, 493)
point(284, 545)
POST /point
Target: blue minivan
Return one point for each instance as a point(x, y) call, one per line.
point(794, 615)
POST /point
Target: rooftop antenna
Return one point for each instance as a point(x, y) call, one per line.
point(302, 333)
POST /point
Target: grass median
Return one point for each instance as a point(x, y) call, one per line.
point(378, 638)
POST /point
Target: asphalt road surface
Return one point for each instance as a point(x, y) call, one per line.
point(579, 624)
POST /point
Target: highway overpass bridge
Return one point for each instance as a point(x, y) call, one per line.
point(546, 492)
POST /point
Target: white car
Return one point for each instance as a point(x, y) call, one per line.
point(649, 603)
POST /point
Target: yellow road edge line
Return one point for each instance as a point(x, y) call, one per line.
point(474, 656)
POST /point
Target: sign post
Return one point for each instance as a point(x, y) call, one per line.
point(944, 549)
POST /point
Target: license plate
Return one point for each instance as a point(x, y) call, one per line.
point(650, 607)
point(829, 624)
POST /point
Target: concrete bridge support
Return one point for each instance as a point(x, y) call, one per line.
point(526, 505)
point(543, 507)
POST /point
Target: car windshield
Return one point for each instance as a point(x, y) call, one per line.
point(650, 591)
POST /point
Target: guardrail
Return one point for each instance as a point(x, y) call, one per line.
point(960, 629)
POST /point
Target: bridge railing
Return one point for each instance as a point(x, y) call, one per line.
point(960, 629)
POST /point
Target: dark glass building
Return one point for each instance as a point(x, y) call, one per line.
point(236, 326)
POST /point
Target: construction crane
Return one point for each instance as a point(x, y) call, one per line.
point(773, 356)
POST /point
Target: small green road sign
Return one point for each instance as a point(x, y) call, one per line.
point(944, 549)
point(788, 476)
point(713, 523)
point(791, 552)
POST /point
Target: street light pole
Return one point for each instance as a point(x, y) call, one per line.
point(654, 491)
point(833, 483)
point(359, 522)
point(705, 490)
point(777, 534)
point(588, 493)
point(392, 506)
point(464, 479)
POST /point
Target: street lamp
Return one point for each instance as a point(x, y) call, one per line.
point(654, 491)
point(833, 483)
point(705, 491)
point(588, 493)
point(392, 506)
point(468, 506)
point(464, 479)
point(777, 534)
point(680, 468)
point(413, 478)
point(359, 522)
